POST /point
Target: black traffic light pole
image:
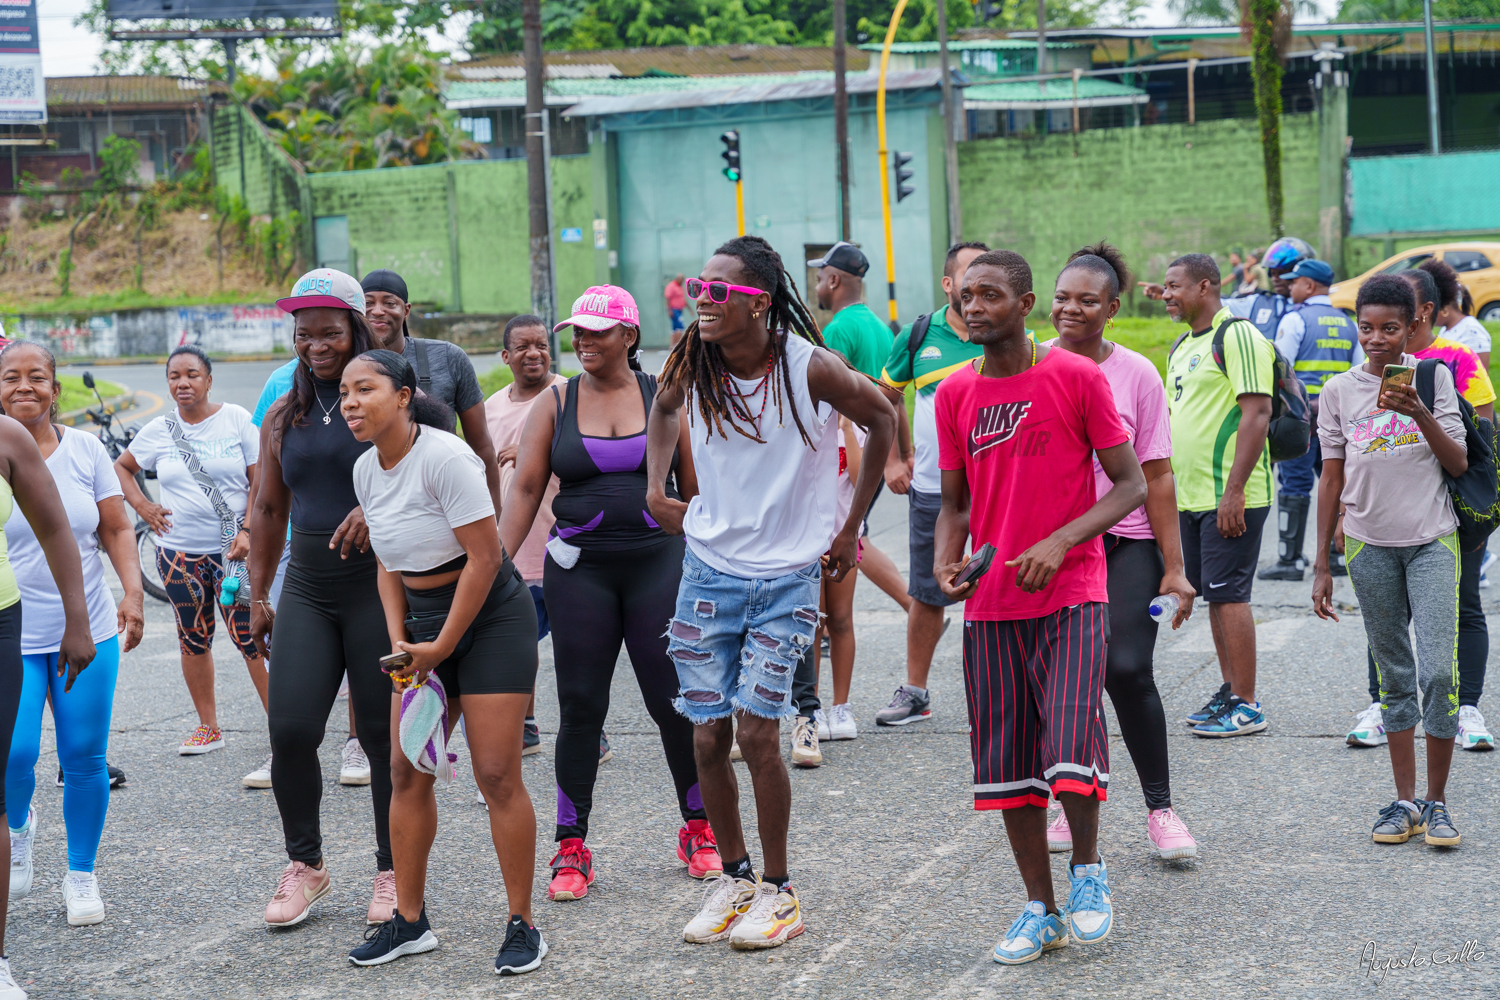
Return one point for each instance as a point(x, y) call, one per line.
point(731, 155)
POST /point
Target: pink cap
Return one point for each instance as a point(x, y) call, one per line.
point(602, 307)
point(324, 286)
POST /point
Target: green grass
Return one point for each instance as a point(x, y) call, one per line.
point(76, 397)
point(130, 299)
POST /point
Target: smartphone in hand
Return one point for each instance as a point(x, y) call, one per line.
point(392, 662)
point(1394, 375)
point(979, 564)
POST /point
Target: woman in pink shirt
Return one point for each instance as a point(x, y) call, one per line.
point(1143, 551)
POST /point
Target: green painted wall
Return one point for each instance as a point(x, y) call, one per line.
point(1157, 192)
point(250, 165)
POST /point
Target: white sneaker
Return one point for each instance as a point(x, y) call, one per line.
point(805, 751)
point(822, 720)
point(841, 723)
point(20, 858)
point(260, 777)
point(1472, 732)
point(773, 917)
point(81, 893)
point(8, 988)
point(356, 766)
point(725, 900)
point(1369, 728)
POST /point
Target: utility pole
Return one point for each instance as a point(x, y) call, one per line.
point(885, 166)
point(841, 116)
point(950, 131)
point(1433, 125)
point(1041, 46)
point(542, 303)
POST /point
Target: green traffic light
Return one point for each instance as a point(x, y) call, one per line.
point(732, 174)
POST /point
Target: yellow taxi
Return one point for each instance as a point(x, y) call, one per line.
point(1477, 264)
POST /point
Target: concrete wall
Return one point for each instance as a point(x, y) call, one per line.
point(252, 166)
point(1156, 192)
point(217, 329)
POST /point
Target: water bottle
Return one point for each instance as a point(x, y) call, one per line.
point(1164, 607)
point(228, 590)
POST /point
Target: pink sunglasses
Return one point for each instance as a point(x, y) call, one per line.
point(718, 291)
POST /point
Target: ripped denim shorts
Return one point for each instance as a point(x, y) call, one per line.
point(736, 643)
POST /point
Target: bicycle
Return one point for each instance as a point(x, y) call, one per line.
point(115, 443)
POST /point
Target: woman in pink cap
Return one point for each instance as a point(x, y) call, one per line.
point(611, 573)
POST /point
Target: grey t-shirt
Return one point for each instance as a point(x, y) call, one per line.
point(451, 372)
point(1394, 493)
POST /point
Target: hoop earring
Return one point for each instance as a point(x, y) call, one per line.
point(1110, 322)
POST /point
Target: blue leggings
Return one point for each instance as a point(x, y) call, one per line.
point(82, 717)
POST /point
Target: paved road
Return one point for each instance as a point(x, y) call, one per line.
point(905, 886)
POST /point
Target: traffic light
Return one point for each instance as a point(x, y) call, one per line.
point(904, 174)
point(731, 154)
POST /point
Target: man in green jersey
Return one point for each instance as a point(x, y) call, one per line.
point(855, 331)
point(1221, 410)
point(943, 350)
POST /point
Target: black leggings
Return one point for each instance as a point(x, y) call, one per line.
point(1473, 634)
point(605, 598)
point(329, 620)
point(10, 682)
point(1135, 572)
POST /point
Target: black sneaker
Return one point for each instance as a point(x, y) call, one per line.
point(1215, 705)
point(116, 776)
point(531, 739)
point(1437, 824)
point(522, 951)
point(389, 941)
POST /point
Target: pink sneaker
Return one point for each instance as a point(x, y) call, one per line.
point(1170, 835)
point(1059, 837)
point(383, 899)
point(298, 889)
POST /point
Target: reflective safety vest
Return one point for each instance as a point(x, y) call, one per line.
point(1266, 311)
point(1329, 337)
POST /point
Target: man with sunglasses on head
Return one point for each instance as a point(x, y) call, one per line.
point(763, 400)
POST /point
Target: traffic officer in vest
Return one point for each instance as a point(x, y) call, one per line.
point(1321, 341)
point(1265, 309)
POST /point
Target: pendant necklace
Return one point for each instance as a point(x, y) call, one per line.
point(327, 412)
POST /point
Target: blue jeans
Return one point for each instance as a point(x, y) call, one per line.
point(676, 319)
point(736, 643)
point(1297, 475)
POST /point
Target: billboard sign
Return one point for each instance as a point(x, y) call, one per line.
point(23, 91)
point(218, 10)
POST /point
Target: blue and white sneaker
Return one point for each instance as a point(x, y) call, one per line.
point(1034, 932)
point(1473, 734)
point(1214, 706)
point(1090, 915)
point(1369, 727)
point(1239, 718)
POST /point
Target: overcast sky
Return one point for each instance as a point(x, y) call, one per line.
point(71, 51)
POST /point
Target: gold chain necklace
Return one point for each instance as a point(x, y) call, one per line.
point(1032, 365)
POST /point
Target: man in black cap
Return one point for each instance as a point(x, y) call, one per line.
point(855, 331)
point(444, 371)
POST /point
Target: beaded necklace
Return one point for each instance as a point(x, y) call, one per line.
point(1032, 365)
point(764, 389)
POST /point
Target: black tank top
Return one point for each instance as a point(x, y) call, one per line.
point(601, 497)
point(317, 463)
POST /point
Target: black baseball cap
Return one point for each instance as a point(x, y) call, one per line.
point(844, 256)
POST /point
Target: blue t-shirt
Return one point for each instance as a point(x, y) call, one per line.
point(278, 385)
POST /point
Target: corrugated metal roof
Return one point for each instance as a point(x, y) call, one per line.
point(565, 93)
point(571, 71)
point(1002, 44)
point(74, 91)
point(692, 60)
point(753, 90)
point(1092, 93)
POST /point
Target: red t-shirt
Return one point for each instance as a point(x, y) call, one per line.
point(1026, 444)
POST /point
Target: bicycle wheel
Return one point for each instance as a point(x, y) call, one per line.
point(145, 544)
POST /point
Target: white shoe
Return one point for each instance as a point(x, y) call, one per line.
point(773, 917)
point(822, 720)
point(1472, 732)
point(8, 988)
point(841, 723)
point(20, 858)
point(356, 766)
point(260, 777)
point(81, 893)
point(1369, 728)
point(805, 751)
point(725, 900)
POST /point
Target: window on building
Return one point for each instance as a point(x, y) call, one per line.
point(1466, 260)
point(482, 129)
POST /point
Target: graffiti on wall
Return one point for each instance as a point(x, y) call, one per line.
point(251, 329)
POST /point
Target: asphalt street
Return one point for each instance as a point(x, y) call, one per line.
point(905, 888)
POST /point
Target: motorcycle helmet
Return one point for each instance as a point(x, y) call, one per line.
point(1287, 253)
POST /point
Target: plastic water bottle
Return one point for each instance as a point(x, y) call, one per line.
point(1164, 607)
point(228, 590)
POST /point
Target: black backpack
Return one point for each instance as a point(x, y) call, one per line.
point(1290, 431)
point(914, 342)
point(1476, 493)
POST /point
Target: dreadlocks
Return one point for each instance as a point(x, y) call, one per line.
point(699, 369)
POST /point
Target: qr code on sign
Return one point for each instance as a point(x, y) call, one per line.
point(17, 83)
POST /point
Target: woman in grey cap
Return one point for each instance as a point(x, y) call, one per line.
point(444, 371)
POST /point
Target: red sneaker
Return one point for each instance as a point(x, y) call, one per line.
point(572, 871)
point(697, 849)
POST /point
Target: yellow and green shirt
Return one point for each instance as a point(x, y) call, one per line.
point(942, 353)
point(10, 593)
point(1204, 403)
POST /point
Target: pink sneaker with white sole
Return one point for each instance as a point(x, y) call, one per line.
point(1170, 835)
point(1059, 837)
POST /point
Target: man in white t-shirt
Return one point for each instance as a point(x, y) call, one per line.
point(765, 447)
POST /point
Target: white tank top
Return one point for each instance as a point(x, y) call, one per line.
point(766, 510)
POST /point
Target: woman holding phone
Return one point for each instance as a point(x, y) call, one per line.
point(454, 607)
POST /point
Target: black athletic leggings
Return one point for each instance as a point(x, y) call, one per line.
point(606, 598)
point(329, 620)
point(10, 681)
point(1473, 634)
point(1135, 572)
